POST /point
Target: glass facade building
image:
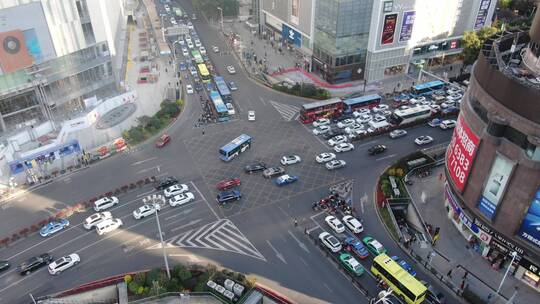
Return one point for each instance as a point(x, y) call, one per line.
point(340, 38)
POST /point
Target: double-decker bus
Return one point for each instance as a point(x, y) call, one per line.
point(368, 101)
point(203, 71)
point(222, 88)
point(310, 112)
point(402, 283)
point(219, 106)
point(197, 57)
point(427, 87)
point(403, 117)
point(235, 147)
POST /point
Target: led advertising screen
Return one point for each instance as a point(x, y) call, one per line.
point(530, 228)
point(495, 185)
point(389, 29)
point(407, 26)
point(482, 14)
point(461, 153)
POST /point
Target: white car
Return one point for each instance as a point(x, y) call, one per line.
point(64, 263)
point(335, 164)
point(190, 44)
point(404, 108)
point(345, 123)
point(175, 190)
point(379, 118)
point(353, 223)
point(251, 115)
point(146, 210)
point(325, 157)
point(188, 38)
point(321, 130)
point(107, 226)
point(202, 49)
point(343, 147)
point(181, 199)
point(91, 221)
point(231, 69)
point(447, 124)
point(105, 203)
point(397, 133)
point(337, 140)
point(423, 140)
point(357, 133)
point(185, 52)
point(230, 108)
point(435, 107)
point(199, 45)
point(215, 49)
point(330, 241)
point(380, 108)
point(361, 112)
point(353, 128)
point(335, 224)
point(189, 89)
point(321, 122)
point(365, 118)
point(290, 160)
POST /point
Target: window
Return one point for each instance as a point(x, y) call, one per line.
point(478, 108)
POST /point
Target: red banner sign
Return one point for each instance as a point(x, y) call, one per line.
point(460, 153)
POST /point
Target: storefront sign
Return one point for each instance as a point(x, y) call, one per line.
point(465, 220)
point(461, 153)
point(389, 29)
point(292, 36)
point(530, 228)
point(495, 185)
point(499, 237)
point(481, 17)
point(407, 26)
point(530, 266)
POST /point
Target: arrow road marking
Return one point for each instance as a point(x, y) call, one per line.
point(278, 254)
point(302, 245)
point(219, 235)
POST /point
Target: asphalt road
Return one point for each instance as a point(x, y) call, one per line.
point(254, 236)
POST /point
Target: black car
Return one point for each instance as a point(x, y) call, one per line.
point(165, 183)
point(4, 265)
point(332, 133)
point(34, 263)
point(228, 196)
point(255, 167)
point(377, 149)
point(198, 87)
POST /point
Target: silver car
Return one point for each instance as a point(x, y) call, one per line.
point(273, 171)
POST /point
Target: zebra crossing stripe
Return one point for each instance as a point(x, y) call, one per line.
point(288, 112)
point(220, 235)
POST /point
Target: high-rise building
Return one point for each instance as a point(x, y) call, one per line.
point(493, 160)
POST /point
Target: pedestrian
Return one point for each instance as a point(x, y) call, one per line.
point(295, 222)
point(465, 275)
point(462, 285)
point(166, 70)
point(202, 131)
point(449, 274)
point(489, 297)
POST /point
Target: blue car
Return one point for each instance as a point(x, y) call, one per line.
point(53, 227)
point(182, 66)
point(286, 179)
point(405, 265)
point(225, 197)
point(357, 247)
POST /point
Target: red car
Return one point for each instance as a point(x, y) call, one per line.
point(163, 140)
point(228, 184)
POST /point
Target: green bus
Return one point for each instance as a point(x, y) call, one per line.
point(197, 57)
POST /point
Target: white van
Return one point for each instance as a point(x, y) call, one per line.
point(105, 203)
point(447, 124)
point(108, 225)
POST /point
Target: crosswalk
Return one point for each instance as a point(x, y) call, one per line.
point(220, 235)
point(288, 112)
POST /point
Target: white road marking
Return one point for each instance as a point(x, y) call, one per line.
point(146, 193)
point(181, 213)
point(303, 261)
point(302, 245)
point(262, 100)
point(186, 225)
point(313, 228)
point(205, 200)
point(369, 143)
point(386, 157)
point(143, 161)
point(148, 169)
point(190, 257)
point(328, 287)
point(316, 137)
point(278, 254)
point(288, 112)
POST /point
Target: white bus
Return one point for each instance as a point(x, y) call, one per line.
point(403, 117)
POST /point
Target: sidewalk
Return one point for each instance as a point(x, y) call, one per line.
point(452, 252)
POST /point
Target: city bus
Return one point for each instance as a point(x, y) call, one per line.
point(235, 147)
point(203, 71)
point(222, 88)
point(219, 106)
point(368, 101)
point(403, 117)
point(403, 284)
point(427, 88)
point(310, 112)
point(197, 57)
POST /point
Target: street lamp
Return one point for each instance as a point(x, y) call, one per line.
point(383, 297)
point(514, 255)
point(221, 18)
point(159, 199)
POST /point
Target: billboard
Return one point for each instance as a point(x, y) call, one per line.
point(13, 52)
point(495, 185)
point(461, 153)
point(407, 26)
point(530, 227)
point(389, 29)
point(482, 15)
point(292, 36)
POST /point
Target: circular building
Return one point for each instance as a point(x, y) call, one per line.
point(493, 160)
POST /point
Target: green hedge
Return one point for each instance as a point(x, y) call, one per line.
point(149, 126)
point(307, 90)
